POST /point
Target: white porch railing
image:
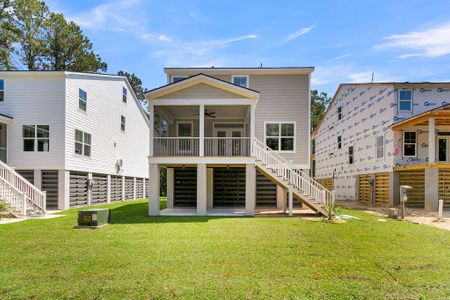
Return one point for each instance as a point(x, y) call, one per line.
point(227, 146)
point(176, 146)
point(297, 178)
point(13, 183)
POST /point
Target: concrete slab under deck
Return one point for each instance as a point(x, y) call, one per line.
point(213, 212)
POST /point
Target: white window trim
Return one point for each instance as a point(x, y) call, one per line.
point(124, 94)
point(83, 143)
point(180, 76)
point(248, 79)
point(282, 122)
point(3, 90)
point(36, 138)
point(376, 147)
point(80, 99)
point(398, 101)
point(403, 144)
point(124, 123)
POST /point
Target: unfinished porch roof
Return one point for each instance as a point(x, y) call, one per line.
point(441, 115)
point(202, 79)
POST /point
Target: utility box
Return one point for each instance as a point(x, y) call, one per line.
point(94, 217)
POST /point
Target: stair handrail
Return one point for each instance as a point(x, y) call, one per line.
point(297, 178)
point(33, 194)
point(13, 196)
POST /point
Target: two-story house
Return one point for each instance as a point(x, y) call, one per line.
point(232, 140)
point(82, 138)
point(376, 137)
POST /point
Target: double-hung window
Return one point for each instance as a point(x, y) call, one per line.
point(409, 143)
point(241, 80)
point(405, 101)
point(124, 94)
point(379, 146)
point(339, 113)
point(2, 90)
point(123, 122)
point(339, 141)
point(83, 143)
point(280, 136)
point(351, 156)
point(82, 100)
point(36, 138)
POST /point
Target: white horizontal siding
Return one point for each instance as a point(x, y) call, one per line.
point(102, 121)
point(34, 99)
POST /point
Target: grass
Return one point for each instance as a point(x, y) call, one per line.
point(139, 257)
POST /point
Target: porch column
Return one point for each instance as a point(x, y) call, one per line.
point(431, 189)
point(291, 202)
point(250, 189)
point(202, 194)
point(170, 187)
point(394, 189)
point(252, 126)
point(201, 128)
point(431, 140)
point(153, 197)
point(151, 113)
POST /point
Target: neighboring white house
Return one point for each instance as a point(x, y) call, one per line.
point(228, 137)
point(378, 136)
point(83, 138)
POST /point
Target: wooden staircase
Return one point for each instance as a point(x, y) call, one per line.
point(20, 196)
point(311, 193)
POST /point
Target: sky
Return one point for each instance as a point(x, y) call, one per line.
point(346, 40)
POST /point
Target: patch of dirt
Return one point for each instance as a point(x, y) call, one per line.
point(415, 215)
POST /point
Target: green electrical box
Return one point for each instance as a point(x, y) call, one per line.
point(94, 217)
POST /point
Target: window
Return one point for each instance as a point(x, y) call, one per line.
point(280, 136)
point(339, 112)
point(36, 137)
point(83, 142)
point(409, 143)
point(2, 90)
point(82, 100)
point(241, 80)
point(178, 78)
point(124, 95)
point(405, 100)
point(351, 158)
point(123, 121)
point(339, 142)
point(380, 146)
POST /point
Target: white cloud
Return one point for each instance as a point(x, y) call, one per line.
point(431, 43)
point(181, 52)
point(340, 57)
point(297, 34)
point(115, 15)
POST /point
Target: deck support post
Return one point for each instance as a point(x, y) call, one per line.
point(291, 202)
point(201, 128)
point(431, 189)
point(153, 197)
point(250, 189)
point(394, 189)
point(170, 186)
point(202, 193)
point(431, 140)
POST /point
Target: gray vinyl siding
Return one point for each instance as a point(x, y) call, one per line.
point(284, 98)
point(200, 91)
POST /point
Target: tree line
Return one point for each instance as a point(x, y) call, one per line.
point(33, 38)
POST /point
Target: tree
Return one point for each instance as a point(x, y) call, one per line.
point(8, 35)
point(28, 19)
point(136, 84)
point(67, 49)
point(319, 105)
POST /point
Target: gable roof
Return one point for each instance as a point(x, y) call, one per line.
point(201, 79)
point(238, 70)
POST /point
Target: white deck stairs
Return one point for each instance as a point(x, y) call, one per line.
point(20, 196)
point(311, 193)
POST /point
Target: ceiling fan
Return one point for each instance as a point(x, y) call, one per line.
point(210, 114)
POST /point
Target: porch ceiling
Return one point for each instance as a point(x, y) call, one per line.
point(192, 112)
point(440, 114)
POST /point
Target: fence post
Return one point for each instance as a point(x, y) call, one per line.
point(44, 200)
point(24, 204)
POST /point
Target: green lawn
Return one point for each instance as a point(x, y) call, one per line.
point(139, 257)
